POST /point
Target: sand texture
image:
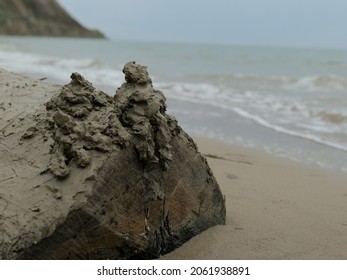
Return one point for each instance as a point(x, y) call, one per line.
point(276, 209)
point(88, 176)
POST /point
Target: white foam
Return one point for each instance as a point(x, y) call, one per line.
point(318, 83)
point(60, 69)
point(277, 128)
point(281, 114)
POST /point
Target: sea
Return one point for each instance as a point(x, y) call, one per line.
point(289, 102)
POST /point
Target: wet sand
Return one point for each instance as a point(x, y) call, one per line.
point(276, 209)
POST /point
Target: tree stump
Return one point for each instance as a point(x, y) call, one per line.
point(84, 175)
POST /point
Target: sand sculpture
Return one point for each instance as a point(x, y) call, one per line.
point(84, 175)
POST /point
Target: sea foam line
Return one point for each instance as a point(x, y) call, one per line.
point(262, 122)
point(280, 129)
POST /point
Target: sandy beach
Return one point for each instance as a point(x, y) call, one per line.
point(276, 209)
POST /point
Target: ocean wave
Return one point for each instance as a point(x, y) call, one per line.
point(308, 83)
point(317, 83)
point(59, 69)
point(307, 136)
point(283, 114)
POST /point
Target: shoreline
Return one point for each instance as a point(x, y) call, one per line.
point(230, 128)
point(276, 209)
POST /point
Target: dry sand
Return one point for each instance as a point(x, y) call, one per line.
point(276, 209)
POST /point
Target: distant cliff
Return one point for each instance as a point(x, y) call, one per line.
point(40, 18)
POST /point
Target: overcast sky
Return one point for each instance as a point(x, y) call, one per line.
point(318, 23)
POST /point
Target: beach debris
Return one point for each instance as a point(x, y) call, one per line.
point(104, 177)
point(227, 158)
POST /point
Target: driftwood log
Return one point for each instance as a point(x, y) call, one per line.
point(84, 175)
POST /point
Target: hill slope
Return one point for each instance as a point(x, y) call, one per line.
point(40, 18)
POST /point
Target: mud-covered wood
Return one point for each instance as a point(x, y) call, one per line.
point(89, 176)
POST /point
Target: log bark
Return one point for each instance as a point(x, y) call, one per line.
point(88, 176)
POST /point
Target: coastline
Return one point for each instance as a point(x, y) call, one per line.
point(276, 209)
